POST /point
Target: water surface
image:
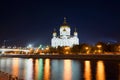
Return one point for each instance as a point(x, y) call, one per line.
point(61, 69)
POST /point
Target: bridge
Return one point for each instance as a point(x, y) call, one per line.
point(4, 50)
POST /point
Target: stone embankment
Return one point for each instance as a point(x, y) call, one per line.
point(81, 56)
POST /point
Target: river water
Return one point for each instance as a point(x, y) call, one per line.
point(61, 69)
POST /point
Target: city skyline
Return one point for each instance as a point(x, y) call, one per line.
point(34, 21)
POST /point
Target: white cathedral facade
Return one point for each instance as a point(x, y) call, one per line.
point(65, 38)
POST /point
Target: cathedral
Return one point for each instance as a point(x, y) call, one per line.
point(65, 38)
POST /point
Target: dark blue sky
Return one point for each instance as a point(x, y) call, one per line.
point(26, 21)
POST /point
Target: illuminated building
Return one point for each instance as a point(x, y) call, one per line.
point(65, 38)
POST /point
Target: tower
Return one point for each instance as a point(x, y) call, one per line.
point(54, 33)
point(75, 33)
point(64, 29)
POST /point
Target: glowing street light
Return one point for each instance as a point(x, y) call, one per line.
point(99, 48)
point(29, 46)
point(67, 49)
point(40, 46)
point(47, 48)
point(87, 49)
point(37, 50)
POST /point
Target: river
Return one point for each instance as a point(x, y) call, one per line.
point(61, 69)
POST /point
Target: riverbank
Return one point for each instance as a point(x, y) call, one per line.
point(81, 56)
point(6, 76)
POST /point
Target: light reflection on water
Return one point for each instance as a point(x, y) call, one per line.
point(28, 69)
point(40, 69)
point(100, 75)
point(87, 70)
point(36, 69)
point(15, 66)
point(67, 70)
point(47, 69)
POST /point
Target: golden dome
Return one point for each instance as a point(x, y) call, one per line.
point(65, 23)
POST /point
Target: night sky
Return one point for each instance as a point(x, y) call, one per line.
point(26, 21)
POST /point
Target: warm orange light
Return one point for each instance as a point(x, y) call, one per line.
point(119, 48)
point(87, 70)
point(86, 48)
point(100, 75)
point(36, 69)
point(67, 70)
point(66, 52)
point(47, 48)
point(15, 66)
point(47, 69)
point(99, 46)
point(99, 51)
point(37, 50)
point(67, 48)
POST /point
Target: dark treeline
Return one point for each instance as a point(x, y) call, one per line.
point(84, 48)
